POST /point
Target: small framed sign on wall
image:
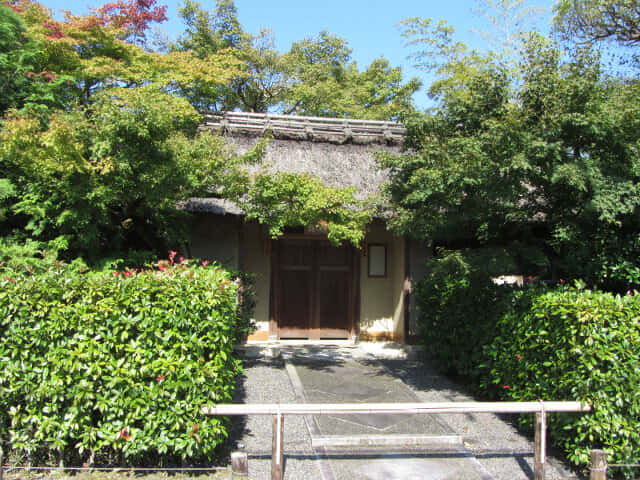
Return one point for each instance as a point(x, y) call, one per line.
point(377, 260)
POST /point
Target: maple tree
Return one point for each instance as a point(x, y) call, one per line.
point(134, 16)
point(98, 143)
point(84, 54)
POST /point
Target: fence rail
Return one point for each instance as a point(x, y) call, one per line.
point(279, 410)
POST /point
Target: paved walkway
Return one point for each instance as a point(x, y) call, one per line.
point(334, 447)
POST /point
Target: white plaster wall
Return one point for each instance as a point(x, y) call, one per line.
point(381, 299)
point(256, 261)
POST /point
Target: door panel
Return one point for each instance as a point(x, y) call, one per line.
point(333, 303)
point(333, 273)
point(314, 296)
point(295, 286)
point(296, 253)
point(329, 255)
point(295, 304)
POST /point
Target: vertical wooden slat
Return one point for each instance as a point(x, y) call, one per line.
point(598, 465)
point(352, 319)
point(274, 292)
point(540, 445)
point(314, 304)
point(239, 466)
point(277, 447)
point(355, 294)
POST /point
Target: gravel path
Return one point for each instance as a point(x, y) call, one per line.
point(266, 381)
point(501, 449)
point(496, 443)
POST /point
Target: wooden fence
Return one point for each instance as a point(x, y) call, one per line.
point(278, 411)
point(599, 465)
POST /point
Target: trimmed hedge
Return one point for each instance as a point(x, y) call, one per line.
point(560, 343)
point(114, 367)
point(575, 344)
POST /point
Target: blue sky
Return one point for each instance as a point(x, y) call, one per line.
point(369, 26)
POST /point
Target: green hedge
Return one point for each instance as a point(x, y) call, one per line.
point(539, 342)
point(114, 367)
point(574, 344)
point(460, 305)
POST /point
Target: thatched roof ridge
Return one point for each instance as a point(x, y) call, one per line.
point(313, 129)
point(327, 154)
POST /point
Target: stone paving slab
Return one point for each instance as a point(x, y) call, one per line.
point(345, 380)
point(434, 464)
point(374, 447)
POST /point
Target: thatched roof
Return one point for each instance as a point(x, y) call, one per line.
point(340, 152)
point(313, 129)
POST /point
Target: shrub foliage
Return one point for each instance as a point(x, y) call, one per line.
point(540, 342)
point(112, 367)
point(575, 344)
point(456, 286)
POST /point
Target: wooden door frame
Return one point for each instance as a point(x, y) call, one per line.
point(353, 318)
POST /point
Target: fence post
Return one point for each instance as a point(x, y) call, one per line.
point(1, 461)
point(239, 466)
point(540, 445)
point(598, 465)
point(277, 445)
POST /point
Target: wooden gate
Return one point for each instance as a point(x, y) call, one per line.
point(314, 289)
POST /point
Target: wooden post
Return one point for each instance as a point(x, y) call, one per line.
point(1, 461)
point(277, 446)
point(540, 445)
point(598, 465)
point(239, 466)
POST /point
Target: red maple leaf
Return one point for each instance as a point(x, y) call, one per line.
point(53, 29)
point(133, 16)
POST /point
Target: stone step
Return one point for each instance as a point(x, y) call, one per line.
point(401, 441)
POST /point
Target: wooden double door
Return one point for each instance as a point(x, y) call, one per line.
point(314, 289)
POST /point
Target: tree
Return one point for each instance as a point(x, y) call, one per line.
point(316, 77)
point(330, 84)
point(290, 200)
point(103, 166)
point(18, 57)
point(435, 42)
point(511, 20)
point(83, 55)
point(436, 47)
point(547, 165)
point(110, 178)
point(132, 16)
point(599, 20)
